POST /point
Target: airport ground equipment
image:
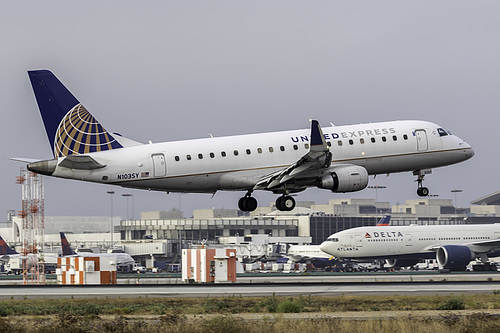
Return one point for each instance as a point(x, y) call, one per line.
point(86, 270)
point(209, 265)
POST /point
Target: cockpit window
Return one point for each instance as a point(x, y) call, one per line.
point(332, 239)
point(442, 132)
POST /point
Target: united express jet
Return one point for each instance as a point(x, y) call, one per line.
point(337, 158)
point(454, 246)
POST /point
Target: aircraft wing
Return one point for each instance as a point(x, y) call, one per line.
point(310, 165)
point(478, 247)
point(485, 246)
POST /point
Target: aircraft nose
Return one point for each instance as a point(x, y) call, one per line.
point(468, 150)
point(471, 152)
point(324, 247)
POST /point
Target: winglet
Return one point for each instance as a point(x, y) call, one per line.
point(5, 249)
point(384, 221)
point(66, 248)
point(318, 142)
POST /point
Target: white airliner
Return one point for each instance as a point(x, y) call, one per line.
point(306, 252)
point(454, 246)
point(314, 252)
point(338, 158)
point(310, 254)
point(124, 262)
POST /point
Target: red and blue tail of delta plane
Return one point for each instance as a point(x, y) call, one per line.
point(71, 129)
point(5, 249)
point(384, 221)
point(66, 248)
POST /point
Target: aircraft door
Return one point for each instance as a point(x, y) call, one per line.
point(408, 240)
point(159, 165)
point(422, 143)
point(359, 241)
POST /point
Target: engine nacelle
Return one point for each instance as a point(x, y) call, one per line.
point(454, 256)
point(345, 179)
point(398, 263)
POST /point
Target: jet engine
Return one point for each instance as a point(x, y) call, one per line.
point(454, 257)
point(398, 263)
point(345, 179)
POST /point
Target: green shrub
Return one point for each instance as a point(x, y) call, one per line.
point(452, 304)
point(289, 306)
point(270, 303)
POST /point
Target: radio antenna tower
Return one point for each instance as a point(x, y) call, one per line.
point(32, 233)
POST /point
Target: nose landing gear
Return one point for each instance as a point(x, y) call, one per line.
point(422, 191)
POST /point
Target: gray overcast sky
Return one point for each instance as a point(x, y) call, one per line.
point(168, 70)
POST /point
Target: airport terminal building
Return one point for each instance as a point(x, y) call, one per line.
point(161, 235)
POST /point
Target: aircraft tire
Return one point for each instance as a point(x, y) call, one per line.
point(285, 203)
point(247, 204)
point(423, 192)
point(279, 204)
point(288, 203)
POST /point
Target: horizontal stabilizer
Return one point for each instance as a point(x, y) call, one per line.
point(25, 160)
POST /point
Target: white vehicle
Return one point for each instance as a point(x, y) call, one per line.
point(337, 158)
point(453, 246)
point(139, 269)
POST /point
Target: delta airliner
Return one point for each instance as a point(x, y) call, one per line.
point(454, 246)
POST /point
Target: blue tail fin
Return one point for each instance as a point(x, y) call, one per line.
point(384, 221)
point(71, 129)
point(5, 249)
point(66, 248)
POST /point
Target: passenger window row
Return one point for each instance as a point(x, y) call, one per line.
point(282, 148)
point(236, 152)
point(372, 139)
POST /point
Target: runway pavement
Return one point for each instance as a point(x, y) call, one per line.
point(254, 289)
point(154, 285)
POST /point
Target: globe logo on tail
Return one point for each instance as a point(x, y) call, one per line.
point(80, 133)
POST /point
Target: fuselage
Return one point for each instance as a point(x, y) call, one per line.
point(415, 241)
point(299, 252)
point(238, 162)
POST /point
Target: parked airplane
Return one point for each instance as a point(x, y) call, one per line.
point(306, 252)
point(311, 254)
point(454, 246)
point(5, 249)
point(124, 262)
point(338, 158)
point(14, 261)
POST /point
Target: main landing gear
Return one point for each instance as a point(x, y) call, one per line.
point(285, 203)
point(422, 191)
point(247, 203)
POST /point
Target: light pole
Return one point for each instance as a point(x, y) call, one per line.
point(376, 188)
point(456, 191)
point(128, 195)
point(111, 216)
point(429, 204)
